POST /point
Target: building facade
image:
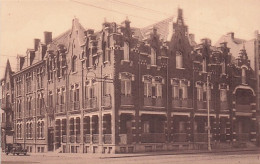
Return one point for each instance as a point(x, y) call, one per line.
point(7, 113)
point(125, 89)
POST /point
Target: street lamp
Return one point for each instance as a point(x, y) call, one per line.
point(208, 109)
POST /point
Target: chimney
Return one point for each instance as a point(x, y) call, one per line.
point(179, 13)
point(20, 62)
point(206, 41)
point(89, 32)
point(231, 34)
point(36, 44)
point(47, 37)
point(126, 23)
point(192, 37)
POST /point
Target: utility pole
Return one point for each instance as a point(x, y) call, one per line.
point(256, 45)
point(208, 127)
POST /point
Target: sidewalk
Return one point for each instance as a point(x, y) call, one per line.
point(176, 152)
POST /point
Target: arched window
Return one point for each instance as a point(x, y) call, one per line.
point(73, 64)
point(179, 60)
point(126, 51)
point(153, 56)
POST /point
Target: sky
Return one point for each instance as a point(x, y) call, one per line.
point(23, 20)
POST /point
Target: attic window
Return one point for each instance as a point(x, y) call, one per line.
point(179, 60)
point(243, 76)
point(126, 51)
point(153, 56)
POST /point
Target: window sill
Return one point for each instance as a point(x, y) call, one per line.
point(180, 68)
point(127, 61)
point(74, 72)
point(152, 65)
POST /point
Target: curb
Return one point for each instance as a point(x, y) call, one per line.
point(106, 156)
point(182, 153)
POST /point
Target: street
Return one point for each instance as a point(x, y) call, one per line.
point(243, 157)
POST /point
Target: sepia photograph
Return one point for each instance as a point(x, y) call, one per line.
point(130, 81)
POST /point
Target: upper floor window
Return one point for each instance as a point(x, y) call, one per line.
point(153, 56)
point(60, 95)
point(203, 91)
point(90, 89)
point(50, 99)
point(223, 88)
point(243, 76)
point(28, 82)
point(74, 64)
point(126, 83)
point(179, 60)
point(126, 51)
point(106, 86)
point(180, 89)
point(153, 86)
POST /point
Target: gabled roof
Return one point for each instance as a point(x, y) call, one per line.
point(64, 38)
point(7, 67)
point(161, 26)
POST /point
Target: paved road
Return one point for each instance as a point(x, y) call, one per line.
point(245, 157)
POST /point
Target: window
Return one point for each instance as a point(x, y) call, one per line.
point(28, 82)
point(179, 60)
point(76, 93)
point(107, 55)
point(182, 127)
point(29, 105)
point(223, 67)
point(180, 89)
point(40, 103)
point(199, 93)
point(106, 87)
point(19, 131)
point(204, 65)
point(243, 76)
point(223, 95)
point(61, 95)
point(146, 128)
point(73, 64)
point(42, 130)
point(202, 90)
point(19, 108)
point(148, 88)
point(223, 88)
point(50, 99)
point(90, 90)
point(153, 56)
point(126, 83)
point(126, 51)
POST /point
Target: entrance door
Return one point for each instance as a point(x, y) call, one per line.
point(50, 139)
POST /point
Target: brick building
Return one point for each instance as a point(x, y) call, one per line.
point(125, 89)
point(7, 112)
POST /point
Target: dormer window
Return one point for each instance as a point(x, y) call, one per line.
point(179, 60)
point(243, 76)
point(153, 56)
point(204, 65)
point(126, 51)
point(223, 67)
